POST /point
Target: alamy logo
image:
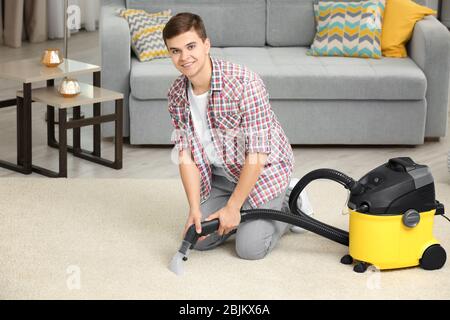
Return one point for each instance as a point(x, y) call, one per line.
point(374, 278)
point(73, 17)
point(373, 21)
point(74, 279)
point(226, 145)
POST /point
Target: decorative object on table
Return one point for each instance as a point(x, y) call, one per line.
point(68, 87)
point(52, 57)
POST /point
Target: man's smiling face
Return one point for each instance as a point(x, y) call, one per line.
point(189, 53)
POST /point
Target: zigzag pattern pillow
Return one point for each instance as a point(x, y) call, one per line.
point(146, 32)
point(348, 29)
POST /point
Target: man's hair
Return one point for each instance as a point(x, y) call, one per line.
point(184, 22)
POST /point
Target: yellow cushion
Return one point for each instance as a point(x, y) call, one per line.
point(400, 16)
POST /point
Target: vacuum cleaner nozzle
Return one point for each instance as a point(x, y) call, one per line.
point(190, 239)
point(176, 264)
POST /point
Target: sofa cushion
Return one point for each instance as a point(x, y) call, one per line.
point(399, 21)
point(349, 29)
point(152, 80)
point(291, 22)
point(290, 74)
point(146, 33)
point(228, 23)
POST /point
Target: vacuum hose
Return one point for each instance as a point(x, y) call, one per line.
point(312, 224)
point(295, 216)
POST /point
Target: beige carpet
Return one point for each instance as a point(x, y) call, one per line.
point(110, 239)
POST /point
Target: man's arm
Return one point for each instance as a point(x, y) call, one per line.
point(230, 215)
point(189, 173)
point(190, 177)
point(253, 167)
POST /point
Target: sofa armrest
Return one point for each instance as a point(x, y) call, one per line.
point(430, 50)
point(116, 60)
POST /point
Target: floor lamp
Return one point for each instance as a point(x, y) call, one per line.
point(68, 87)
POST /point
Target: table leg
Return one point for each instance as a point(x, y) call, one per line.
point(51, 141)
point(19, 123)
point(26, 143)
point(21, 143)
point(76, 131)
point(62, 142)
point(118, 134)
point(61, 145)
point(97, 113)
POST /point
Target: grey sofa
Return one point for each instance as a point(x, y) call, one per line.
point(318, 100)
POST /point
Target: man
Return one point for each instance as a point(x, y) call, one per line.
point(232, 150)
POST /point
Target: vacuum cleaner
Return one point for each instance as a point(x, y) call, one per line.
point(391, 215)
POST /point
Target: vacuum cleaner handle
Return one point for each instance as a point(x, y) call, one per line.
point(208, 227)
point(404, 164)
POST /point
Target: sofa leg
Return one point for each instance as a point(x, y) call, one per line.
point(432, 139)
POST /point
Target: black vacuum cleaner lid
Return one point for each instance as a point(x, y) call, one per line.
point(395, 187)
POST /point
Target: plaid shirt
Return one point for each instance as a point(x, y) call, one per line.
point(240, 121)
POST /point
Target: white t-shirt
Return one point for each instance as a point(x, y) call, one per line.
point(199, 105)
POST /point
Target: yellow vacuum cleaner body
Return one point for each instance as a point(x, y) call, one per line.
point(391, 221)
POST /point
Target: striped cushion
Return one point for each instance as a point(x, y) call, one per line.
point(348, 29)
point(146, 32)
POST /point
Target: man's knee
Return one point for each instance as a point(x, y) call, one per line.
point(253, 249)
point(254, 239)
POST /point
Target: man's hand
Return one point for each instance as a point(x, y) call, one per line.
point(229, 218)
point(195, 217)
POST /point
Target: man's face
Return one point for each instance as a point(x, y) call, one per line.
point(189, 53)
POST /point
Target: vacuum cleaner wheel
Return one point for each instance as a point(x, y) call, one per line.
point(347, 259)
point(361, 267)
point(433, 258)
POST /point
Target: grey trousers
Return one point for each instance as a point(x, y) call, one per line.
point(254, 238)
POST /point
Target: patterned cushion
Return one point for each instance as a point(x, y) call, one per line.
point(349, 29)
point(146, 32)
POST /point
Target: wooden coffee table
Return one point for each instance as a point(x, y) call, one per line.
point(89, 95)
point(29, 71)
